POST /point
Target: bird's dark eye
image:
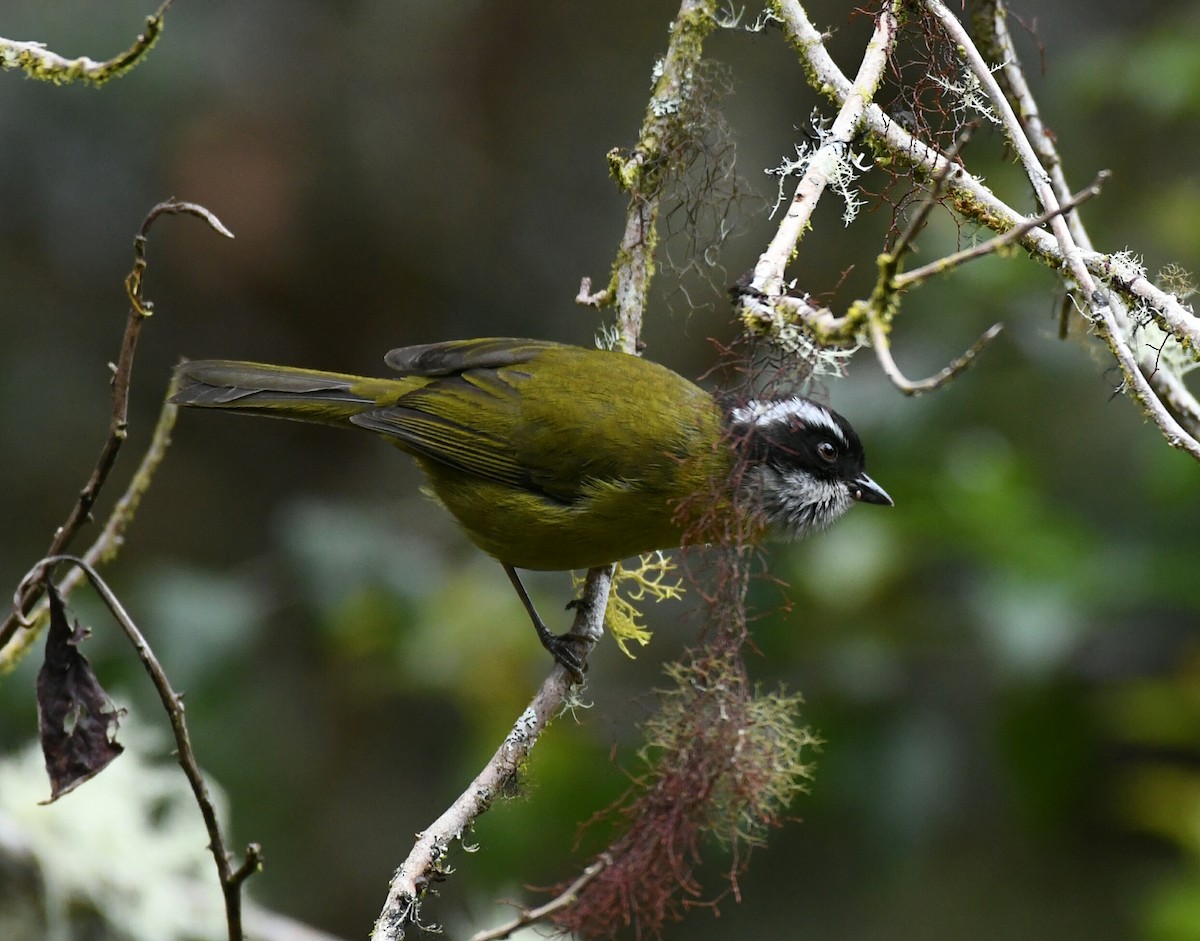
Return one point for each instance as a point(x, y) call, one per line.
point(827, 451)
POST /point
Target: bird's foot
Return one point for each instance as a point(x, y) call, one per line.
point(565, 649)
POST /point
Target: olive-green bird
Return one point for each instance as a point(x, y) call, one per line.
point(558, 457)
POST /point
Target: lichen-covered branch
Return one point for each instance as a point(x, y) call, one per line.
point(1106, 310)
point(1104, 283)
point(642, 171)
point(826, 163)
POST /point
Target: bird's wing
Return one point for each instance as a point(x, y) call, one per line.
point(468, 415)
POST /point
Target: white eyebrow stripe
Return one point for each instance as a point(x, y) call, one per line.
point(810, 414)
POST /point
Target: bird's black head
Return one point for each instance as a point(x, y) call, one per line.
point(804, 464)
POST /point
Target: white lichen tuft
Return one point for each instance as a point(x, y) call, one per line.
point(970, 98)
point(794, 166)
point(840, 166)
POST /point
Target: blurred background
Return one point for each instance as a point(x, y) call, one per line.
point(1005, 668)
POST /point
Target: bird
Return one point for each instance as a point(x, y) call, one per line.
point(556, 457)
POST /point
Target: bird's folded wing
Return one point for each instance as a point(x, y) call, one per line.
point(466, 421)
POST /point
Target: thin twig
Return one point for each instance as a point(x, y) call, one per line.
point(936, 189)
point(230, 880)
point(139, 310)
point(883, 352)
point(908, 279)
point(111, 538)
point(531, 916)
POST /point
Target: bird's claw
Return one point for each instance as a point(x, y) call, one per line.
point(565, 650)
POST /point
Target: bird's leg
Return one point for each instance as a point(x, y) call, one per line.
point(561, 646)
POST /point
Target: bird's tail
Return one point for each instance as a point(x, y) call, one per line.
point(308, 395)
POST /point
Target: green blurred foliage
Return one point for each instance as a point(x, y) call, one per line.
point(1003, 667)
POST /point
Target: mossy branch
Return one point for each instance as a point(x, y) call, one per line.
point(642, 171)
point(36, 61)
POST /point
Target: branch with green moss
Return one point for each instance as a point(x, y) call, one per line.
point(36, 61)
point(642, 171)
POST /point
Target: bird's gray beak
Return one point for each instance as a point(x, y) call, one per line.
point(865, 490)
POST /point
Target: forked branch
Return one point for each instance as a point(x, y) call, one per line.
point(1103, 284)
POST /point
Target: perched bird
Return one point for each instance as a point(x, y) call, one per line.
point(558, 457)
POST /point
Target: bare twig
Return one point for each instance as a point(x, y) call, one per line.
point(531, 916)
point(588, 298)
point(108, 543)
point(231, 880)
point(883, 352)
point(936, 190)
point(139, 310)
point(39, 62)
